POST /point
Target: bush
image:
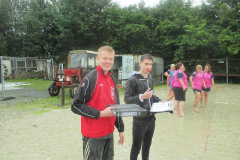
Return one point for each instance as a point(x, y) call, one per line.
point(31, 75)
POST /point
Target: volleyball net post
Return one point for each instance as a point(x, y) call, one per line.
point(2, 77)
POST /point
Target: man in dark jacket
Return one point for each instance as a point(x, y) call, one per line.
point(139, 91)
point(95, 92)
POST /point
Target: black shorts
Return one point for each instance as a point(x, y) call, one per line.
point(179, 94)
point(206, 90)
point(94, 148)
point(196, 91)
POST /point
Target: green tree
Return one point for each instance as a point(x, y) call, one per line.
point(174, 29)
point(6, 15)
point(40, 38)
point(227, 24)
point(170, 17)
point(81, 23)
point(129, 32)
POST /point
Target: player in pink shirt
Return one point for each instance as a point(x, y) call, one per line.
point(170, 76)
point(197, 81)
point(180, 85)
point(208, 78)
point(172, 66)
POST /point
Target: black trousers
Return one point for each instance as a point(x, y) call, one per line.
point(143, 130)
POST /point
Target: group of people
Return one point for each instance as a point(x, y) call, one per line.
point(97, 90)
point(177, 83)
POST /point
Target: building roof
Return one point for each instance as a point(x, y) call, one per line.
point(83, 51)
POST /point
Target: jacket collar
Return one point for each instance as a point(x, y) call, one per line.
point(100, 70)
point(138, 75)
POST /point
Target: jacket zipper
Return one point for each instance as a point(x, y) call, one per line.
point(149, 98)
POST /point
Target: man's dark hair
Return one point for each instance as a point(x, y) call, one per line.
point(178, 65)
point(146, 56)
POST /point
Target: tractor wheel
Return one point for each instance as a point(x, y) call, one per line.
point(53, 90)
point(73, 91)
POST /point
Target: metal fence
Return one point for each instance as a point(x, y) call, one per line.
point(224, 70)
point(2, 72)
point(24, 67)
point(27, 67)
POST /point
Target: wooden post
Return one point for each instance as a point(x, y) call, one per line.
point(63, 95)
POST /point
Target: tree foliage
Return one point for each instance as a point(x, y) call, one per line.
point(173, 29)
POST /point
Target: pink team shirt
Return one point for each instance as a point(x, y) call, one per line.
point(198, 80)
point(179, 75)
point(207, 78)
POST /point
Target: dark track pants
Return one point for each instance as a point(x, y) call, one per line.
point(143, 130)
point(98, 149)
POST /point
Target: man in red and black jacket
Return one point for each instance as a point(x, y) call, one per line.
point(96, 91)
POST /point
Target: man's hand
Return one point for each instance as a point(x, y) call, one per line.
point(107, 112)
point(121, 140)
point(148, 94)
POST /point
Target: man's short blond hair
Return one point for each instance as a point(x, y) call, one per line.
point(106, 48)
point(199, 66)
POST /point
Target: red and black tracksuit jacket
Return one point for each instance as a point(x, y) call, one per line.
point(95, 92)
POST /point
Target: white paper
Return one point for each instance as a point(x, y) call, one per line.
point(162, 106)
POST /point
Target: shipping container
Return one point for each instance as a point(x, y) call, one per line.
point(126, 64)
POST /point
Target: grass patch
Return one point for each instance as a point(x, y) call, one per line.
point(39, 105)
point(159, 86)
point(44, 103)
point(36, 84)
point(122, 90)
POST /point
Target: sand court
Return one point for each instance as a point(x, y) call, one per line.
point(213, 133)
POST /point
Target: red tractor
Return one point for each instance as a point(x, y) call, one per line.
point(80, 63)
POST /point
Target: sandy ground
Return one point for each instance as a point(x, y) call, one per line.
point(213, 133)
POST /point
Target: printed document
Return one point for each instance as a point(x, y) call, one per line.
point(162, 106)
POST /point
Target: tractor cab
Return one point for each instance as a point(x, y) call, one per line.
point(80, 63)
point(86, 60)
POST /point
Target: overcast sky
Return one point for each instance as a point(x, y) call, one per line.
point(149, 3)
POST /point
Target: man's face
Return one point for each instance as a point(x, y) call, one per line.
point(105, 60)
point(146, 65)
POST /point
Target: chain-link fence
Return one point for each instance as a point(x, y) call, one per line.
point(224, 70)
